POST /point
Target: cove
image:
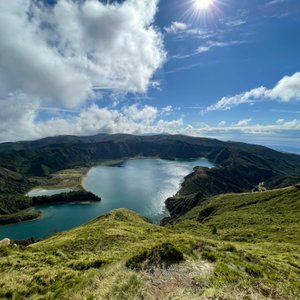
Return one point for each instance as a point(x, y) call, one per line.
point(141, 185)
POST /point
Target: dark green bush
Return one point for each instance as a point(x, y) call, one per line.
point(214, 230)
point(160, 256)
point(209, 256)
point(86, 265)
point(254, 271)
point(228, 248)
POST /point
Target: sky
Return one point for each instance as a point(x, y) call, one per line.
point(225, 69)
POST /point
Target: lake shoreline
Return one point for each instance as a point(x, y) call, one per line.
point(64, 179)
point(72, 178)
point(20, 217)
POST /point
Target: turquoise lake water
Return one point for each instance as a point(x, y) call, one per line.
point(141, 185)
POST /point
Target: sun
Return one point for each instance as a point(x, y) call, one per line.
point(203, 11)
point(203, 4)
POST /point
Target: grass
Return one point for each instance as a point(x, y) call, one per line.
point(122, 256)
point(250, 217)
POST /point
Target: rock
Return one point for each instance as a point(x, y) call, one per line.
point(5, 242)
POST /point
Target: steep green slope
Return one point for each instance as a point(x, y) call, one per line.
point(240, 170)
point(14, 207)
point(12, 182)
point(253, 254)
point(250, 217)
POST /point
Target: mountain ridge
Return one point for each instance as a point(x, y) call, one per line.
point(240, 167)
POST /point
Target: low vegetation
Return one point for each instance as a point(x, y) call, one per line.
point(73, 196)
point(23, 215)
point(254, 254)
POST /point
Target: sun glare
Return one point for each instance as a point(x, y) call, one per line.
point(203, 4)
point(204, 11)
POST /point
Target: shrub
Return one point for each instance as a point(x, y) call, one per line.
point(5, 251)
point(254, 271)
point(228, 248)
point(214, 230)
point(160, 256)
point(205, 213)
point(209, 256)
point(86, 265)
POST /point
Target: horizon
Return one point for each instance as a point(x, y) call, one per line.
point(226, 70)
point(283, 149)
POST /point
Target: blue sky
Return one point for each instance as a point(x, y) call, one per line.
point(261, 48)
point(227, 71)
point(261, 45)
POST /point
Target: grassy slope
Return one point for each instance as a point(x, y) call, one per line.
point(254, 255)
point(251, 217)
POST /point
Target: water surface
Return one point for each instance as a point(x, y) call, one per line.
point(141, 185)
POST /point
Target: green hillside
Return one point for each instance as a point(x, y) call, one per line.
point(232, 246)
point(251, 217)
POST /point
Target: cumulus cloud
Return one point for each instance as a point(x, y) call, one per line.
point(20, 120)
point(286, 90)
point(62, 53)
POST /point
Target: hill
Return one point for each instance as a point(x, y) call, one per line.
point(13, 182)
point(253, 254)
point(239, 167)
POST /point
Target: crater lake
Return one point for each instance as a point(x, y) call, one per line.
point(141, 185)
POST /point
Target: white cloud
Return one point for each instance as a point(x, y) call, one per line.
point(146, 114)
point(222, 123)
point(20, 120)
point(167, 110)
point(277, 131)
point(235, 22)
point(243, 123)
point(275, 2)
point(17, 115)
point(209, 45)
point(176, 27)
point(286, 90)
point(61, 53)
